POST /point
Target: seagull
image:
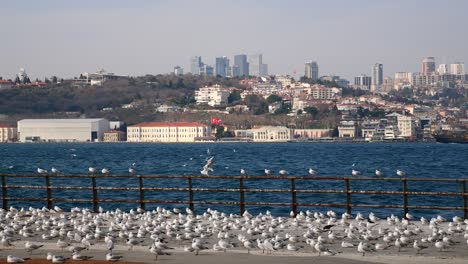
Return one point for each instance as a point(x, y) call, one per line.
point(105, 171)
point(283, 172)
point(378, 173)
point(248, 245)
point(92, 170)
point(208, 166)
point(30, 247)
point(197, 246)
point(268, 172)
point(355, 172)
point(418, 246)
point(54, 170)
point(312, 171)
point(58, 259)
point(131, 170)
point(112, 257)
point(400, 173)
point(157, 251)
point(13, 259)
point(242, 172)
point(41, 171)
point(363, 248)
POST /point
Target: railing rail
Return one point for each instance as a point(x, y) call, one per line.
point(293, 189)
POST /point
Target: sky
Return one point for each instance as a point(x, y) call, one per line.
point(345, 37)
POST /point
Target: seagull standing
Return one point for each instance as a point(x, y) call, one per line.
point(105, 171)
point(30, 247)
point(283, 172)
point(55, 170)
point(92, 170)
point(268, 171)
point(312, 171)
point(355, 172)
point(242, 172)
point(400, 173)
point(378, 173)
point(41, 171)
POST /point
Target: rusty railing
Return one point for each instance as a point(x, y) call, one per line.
point(191, 191)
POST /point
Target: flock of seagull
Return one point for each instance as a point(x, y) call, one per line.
point(163, 231)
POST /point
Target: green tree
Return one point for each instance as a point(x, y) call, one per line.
point(234, 97)
point(273, 98)
point(311, 110)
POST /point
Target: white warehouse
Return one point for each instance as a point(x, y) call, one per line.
point(62, 130)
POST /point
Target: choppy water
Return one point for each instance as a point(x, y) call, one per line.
point(336, 159)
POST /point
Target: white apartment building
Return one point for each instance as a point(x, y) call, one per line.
point(8, 133)
point(271, 134)
point(405, 126)
point(284, 80)
point(321, 92)
point(402, 79)
point(62, 130)
point(212, 95)
point(167, 132)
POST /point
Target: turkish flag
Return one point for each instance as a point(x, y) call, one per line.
point(215, 121)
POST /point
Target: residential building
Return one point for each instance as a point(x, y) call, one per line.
point(457, 68)
point(443, 69)
point(114, 136)
point(312, 70)
point(377, 76)
point(178, 70)
point(195, 64)
point(212, 95)
point(284, 80)
point(271, 133)
point(222, 66)
point(321, 92)
point(241, 66)
point(8, 133)
point(362, 82)
point(402, 79)
point(347, 129)
point(167, 132)
point(406, 127)
point(428, 66)
point(62, 130)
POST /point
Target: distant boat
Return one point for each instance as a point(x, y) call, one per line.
point(460, 136)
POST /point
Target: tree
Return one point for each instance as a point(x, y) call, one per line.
point(54, 79)
point(311, 110)
point(234, 97)
point(273, 98)
point(219, 132)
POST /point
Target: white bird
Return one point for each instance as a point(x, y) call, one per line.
point(400, 173)
point(409, 216)
point(197, 245)
point(78, 256)
point(131, 170)
point(248, 245)
point(355, 172)
point(242, 172)
point(440, 245)
point(13, 259)
point(41, 171)
point(381, 246)
point(283, 172)
point(345, 244)
point(92, 170)
point(30, 247)
point(378, 173)
point(363, 248)
point(54, 170)
point(157, 252)
point(268, 171)
point(58, 259)
point(312, 171)
point(49, 256)
point(418, 246)
point(105, 171)
point(112, 257)
point(208, 166)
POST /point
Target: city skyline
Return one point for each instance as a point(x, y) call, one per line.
point(136, 39)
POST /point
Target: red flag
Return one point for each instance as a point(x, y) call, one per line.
point(215, 121)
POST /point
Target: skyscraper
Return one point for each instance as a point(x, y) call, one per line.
point(195, 64)
point(362, 82)
point(241, 67)
point(428, 66)
point(178, 70)
point(457, 68)
point(222, 66)
point(256, 65)
point(206, 70)
point(311, 70)
point(442, 69)
point(377, 76)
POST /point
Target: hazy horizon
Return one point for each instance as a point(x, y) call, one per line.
point(346, 38)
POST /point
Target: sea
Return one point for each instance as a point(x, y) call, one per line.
point(418, 160)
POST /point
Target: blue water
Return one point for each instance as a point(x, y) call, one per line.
point(330, 159)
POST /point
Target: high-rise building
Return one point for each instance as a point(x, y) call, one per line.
point(256, 66)
point(442, 69)
point(377, 76)
point(457, 68)
point(363, 82)
point(241, 66)
point(428, 66)
point(206, 70)
point(312, 70)
point(195, 64)
point(178, 70)
point(222, 66)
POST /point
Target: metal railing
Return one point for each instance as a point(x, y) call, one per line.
point(241, 190)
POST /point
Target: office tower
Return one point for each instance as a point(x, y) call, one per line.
point(241, 67)
point(312, 70)
point(222, 66)
point(363, 82)
point(206, 70)
point(178, 70)
point(428, 66)
point(457, 68)
point(442, 69)
point(195, 64)
point(264, 70)
point(377, 76)
point(255, 64)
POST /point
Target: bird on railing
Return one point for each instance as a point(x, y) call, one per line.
point(55, 170)
point(283, 172)
point(378, 173)
point(92, 170)
point(243, 172)
point(131, 170)
point(355, 172)
point(41, 171)
point(268, 171)
point(400, 173)
point(105, 171)
point(312, 171)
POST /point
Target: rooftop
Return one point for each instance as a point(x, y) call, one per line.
point(62, 120)
point(168, 124)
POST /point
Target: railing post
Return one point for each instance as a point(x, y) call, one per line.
point(49, 192)
point(4, 193)
point(241, 196)
point(465, 200)
point(348, 196)
point(142, 192)
point(95, 196)
point(294, 199)
point(405, 197)
point(190, 186)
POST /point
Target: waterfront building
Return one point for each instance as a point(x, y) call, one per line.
point(8, 133)
point(62, 130)
point(5, 84)
point(114, 136)
point(347, 129)
point(406, 127)
point(167, 132)
point(377, 76)
point(271, 133)
point(428, 66)
point(311, 70)
point(195, 64)
point(222, 66)
point(362, 82)
point(178, 70)
point(241, 66)
point(312, 133)
point(212, 95)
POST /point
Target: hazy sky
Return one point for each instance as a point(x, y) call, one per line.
point(65, 38)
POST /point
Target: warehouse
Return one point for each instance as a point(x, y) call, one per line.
point(62, 130)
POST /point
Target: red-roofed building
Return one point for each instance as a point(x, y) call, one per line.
point(167, 132)
point(6, 84)
point(8, 133)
